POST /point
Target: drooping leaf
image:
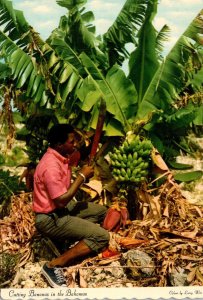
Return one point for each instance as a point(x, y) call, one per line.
point(181, 118)
point(162, 36)
point(15, 24)
point(118, 92)
point(123, 30)
point(198, 116)
point(189, 176)
point(178, 166)
point(143, 62)
point(173, 74)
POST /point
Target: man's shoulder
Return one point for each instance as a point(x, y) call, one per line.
point(48, 161)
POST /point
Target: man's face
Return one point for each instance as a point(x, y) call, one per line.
point(70, 145)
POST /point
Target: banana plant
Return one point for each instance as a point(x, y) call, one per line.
point(57, 63)
point(70, 71)
point(176, 72)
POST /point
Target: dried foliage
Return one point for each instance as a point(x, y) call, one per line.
point(174, 228)
point(6, 115)
point(18, 228)
point(168, 231)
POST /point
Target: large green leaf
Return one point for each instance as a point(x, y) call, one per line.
point(189, 176)
point(180, 118)
point(13, 23)
point(197, 80)
point(178, 166)
point(118, 91)
point(66, 53)
point(143, 62)
point(162, 37)
point(174, 73)
point(78, 34)
point(123, 30)
point(198, 116)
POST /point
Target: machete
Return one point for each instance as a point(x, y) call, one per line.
point(98, 132)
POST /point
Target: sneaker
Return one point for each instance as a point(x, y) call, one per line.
point(54, 276)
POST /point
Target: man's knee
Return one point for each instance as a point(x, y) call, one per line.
point(102, 240)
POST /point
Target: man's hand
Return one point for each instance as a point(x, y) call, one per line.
point(87, 171)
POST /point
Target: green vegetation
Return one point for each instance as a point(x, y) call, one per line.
point(8, 263)
point(9, 185)
point(63, 78)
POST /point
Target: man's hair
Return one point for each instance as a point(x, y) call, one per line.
point(58, 134)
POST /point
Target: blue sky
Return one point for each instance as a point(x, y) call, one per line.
point(44, 15)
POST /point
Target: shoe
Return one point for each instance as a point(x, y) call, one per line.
point(54, 276)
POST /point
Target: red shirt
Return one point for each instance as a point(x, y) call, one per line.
point(51, 180)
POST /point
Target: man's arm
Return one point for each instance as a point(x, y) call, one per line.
point(62, 201)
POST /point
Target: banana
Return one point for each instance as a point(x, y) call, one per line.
point(130, 161)
point(130, 157)
point(120, 157)
point(128, 172)
point(135, 155)
point(121, 178)
point(141, 165)
point(143, 172)
point(123, 165)
point(129, 164)
point(126, 146)
point(114, 156)
point(140, 160)
point(117, 163)
point(125, 158)
point(135, 172)
point(123, 172)
point(134, 163)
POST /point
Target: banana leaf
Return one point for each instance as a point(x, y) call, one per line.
point(178, 166)
point(123, 30)
point(143, 61)
point(198, 116)
point(117, 91)
point(173, 75)
point(69, 4)
point(78, 35)
point(189, 176)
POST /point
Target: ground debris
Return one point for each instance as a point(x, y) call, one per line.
point(18, 228)
point(163, 248)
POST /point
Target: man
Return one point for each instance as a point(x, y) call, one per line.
point(57, 215)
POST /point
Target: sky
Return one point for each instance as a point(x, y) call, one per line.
point(44, 15)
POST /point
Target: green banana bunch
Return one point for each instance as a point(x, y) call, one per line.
point(130, 161)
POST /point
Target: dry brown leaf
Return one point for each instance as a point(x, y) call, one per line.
point(199, 276)
point(96, 185)
point(142, 195)
point(186, 234)
point(155, 206)
point(158, 160)
point(200, 240)
point(129, 243)
point(166, 211)
point(89, 191)
point(198, 210)
point(24, 259)
point(191, 275)
point(191, 258)
point(71, 277)
point(82, 281)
